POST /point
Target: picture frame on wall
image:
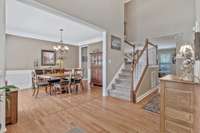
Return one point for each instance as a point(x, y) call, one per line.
point(116, 42)
point(48, 58)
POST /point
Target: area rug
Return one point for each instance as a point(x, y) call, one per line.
point(153, 105)
point(76, 130)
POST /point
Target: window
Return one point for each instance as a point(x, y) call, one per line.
point(84, 60)
point(165, 58)
point(165, 62)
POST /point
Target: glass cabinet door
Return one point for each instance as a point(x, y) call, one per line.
point(84, 61)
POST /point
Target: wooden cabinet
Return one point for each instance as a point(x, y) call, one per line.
point(11, 107)
point(96, 68)
point(179, 106)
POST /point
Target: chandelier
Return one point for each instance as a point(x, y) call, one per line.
point(61, 48)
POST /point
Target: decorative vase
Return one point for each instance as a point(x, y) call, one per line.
point(187, 53)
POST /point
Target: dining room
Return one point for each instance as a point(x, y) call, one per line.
point(39, 38)
point(45, 59)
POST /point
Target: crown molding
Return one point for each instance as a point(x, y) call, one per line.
point(91, 41)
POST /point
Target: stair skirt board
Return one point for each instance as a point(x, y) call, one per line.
point(140, 98)
point(115, 77)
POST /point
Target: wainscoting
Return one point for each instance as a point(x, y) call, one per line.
point(20, 78)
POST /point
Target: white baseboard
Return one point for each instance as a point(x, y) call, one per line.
point(146, 94)
point(116, 76)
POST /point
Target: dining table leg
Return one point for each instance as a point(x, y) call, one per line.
point(82, 86)
point(50, 88)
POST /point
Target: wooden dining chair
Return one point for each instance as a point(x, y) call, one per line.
point(48, 71)
point(54, 85)
point(77, 80)
point(38, 83)
point(58, 70)
point(67, 79)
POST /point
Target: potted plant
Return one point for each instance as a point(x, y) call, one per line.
point(8, 88)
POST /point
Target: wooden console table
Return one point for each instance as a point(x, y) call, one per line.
point(180, 106)
point(12, 107)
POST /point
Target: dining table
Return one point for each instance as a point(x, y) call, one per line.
point(53, 76)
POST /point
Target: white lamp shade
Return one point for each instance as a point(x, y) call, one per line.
point(66, 48)
point(55, 48)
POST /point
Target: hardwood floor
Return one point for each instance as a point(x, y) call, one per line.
point(89, 111)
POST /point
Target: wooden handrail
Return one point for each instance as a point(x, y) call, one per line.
point(152, 44)
point(137, 60)
point(129, 43)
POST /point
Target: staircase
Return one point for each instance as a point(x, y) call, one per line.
point(127, 84)
point(122, 86)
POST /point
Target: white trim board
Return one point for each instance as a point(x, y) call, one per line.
point(146, 94)
point(90, 41)
point(115, 76)
point(104, 49)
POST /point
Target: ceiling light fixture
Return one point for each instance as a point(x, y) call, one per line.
point(61, 48)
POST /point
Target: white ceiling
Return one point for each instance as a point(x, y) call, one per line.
point(29, 21)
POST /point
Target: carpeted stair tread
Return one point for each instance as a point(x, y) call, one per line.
point(121, 86)
point(123, 81)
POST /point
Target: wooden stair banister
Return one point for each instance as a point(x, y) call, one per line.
point(135, 62)
point(129, 43)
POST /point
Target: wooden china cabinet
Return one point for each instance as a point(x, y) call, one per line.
point(96, 68)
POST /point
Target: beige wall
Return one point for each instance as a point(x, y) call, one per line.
point(2, 41)
point(22, 52)
point(155, 18)
point(115, 59)
point(106, 14)
point(94, 47)
point(197, 10)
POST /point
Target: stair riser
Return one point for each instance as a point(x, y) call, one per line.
point(124, 82)
point(126, 93)
point(120, 87)
point(126, 71)
point(127, 98)
point(125, 76)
